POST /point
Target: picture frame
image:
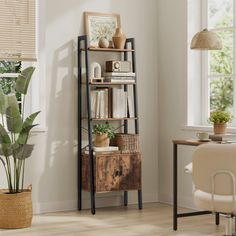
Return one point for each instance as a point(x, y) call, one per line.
point(99, 25)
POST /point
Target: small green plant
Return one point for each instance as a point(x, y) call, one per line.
point(104, 129)
point(220, 117)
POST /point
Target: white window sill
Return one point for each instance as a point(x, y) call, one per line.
point(207, 128)
point(39, 129)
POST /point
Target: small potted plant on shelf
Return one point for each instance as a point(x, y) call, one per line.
point(15, 202)
point(220, 120)
point(103, 133)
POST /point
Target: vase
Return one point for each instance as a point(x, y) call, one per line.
point(101, 140)
point(16, 209)
point(103, 43)
point(220, 128)
point(119, 39)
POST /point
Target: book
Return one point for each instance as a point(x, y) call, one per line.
point(106, 105)
point(93, 103)
point(104, 149)
point(115, 98)
point(97, 114)
point(102, 153)
point(119, 74)
point(119, 80)
point(130, 106)
point(102, 105)
point(222, 137)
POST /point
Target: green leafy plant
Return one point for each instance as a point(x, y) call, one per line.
point(220, 117)
point(14, 133)
point(104, 129)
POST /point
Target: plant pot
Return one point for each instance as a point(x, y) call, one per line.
point(119, 39)
point(101, 140)
point(220, 128)
point(15, 209)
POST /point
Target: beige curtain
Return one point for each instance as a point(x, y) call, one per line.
point(17, 30)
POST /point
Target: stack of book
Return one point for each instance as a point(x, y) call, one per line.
point(100, 103)
point(103, 150)
point(119, 77)
point(111, 103)
point(223, 137)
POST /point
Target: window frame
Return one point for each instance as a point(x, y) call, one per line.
point(36, 99)
point(205, 75)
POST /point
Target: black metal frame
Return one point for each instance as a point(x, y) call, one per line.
point(83, 47)
point(177, 215)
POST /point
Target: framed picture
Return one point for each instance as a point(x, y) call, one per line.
point(99, 25)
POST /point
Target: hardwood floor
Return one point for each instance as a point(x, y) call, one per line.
point(154, 219)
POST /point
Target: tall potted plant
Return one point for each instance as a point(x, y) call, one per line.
point(15, 202)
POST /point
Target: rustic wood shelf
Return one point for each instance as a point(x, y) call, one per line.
point(125, 118)
point(111, 119)
point(108, 50)
point(112, 83)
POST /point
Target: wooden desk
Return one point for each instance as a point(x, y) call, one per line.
point(176, 215)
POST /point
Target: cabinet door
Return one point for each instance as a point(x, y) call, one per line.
point(130, 171)
point(107, 173)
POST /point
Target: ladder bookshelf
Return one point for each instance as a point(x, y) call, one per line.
point(83, 54)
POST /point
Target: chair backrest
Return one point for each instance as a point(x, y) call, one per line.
point(209, 158)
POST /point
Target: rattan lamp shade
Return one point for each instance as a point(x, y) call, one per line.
point(206, 40)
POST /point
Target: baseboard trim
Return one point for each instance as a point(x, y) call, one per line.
point(101, 201)
point(185, 202)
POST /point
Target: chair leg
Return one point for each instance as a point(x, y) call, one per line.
point(234, 225)
point(228, 225)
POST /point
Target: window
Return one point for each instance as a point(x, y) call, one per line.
point(17, 45)
point(218, 67)
point(9, 71)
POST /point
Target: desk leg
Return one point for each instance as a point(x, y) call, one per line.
point(217, 218)
point(175, 190)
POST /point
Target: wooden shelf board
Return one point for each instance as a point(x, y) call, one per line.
point(111, 119)
point(108, 50)
point(111, 83)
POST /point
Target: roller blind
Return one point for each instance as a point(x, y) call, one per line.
point(17, 30)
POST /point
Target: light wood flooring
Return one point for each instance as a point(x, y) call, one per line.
point(154, 219)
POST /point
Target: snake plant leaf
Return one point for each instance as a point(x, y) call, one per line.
point(4, 137)
point(24, 134)
point(14, 122)
point(23, 80)
point(3, 102)
point(6, 149)
point(23, 151)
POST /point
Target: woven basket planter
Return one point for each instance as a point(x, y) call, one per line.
point(127, 143)
point(15, 210)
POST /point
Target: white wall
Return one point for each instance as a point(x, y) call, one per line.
point(52, 168)
point(172, 97)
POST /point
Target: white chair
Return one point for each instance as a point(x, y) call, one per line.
point(214, 174)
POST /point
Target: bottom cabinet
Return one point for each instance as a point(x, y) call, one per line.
point(113, 172)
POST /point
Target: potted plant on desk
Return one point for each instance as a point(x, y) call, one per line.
point(15, 202)
point(103, 134)
point(220, 120)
